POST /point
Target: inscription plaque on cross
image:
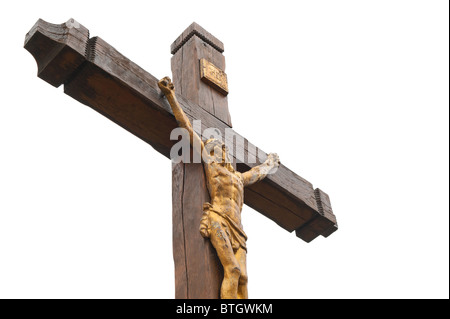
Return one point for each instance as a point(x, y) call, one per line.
point(97, 75)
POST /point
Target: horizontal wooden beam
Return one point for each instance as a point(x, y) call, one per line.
point(97, 75)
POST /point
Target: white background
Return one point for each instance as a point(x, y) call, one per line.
point(353, 96)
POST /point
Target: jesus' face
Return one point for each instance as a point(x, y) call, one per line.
point(218, 152)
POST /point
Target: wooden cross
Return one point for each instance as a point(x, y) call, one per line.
point(97, 75)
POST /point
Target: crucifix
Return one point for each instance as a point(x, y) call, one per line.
point(97, 75)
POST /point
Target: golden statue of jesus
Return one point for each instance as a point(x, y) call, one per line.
point(221, 221)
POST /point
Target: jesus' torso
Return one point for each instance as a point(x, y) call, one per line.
point(226, 189)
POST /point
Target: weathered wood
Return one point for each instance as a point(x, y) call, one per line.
point(324, 224)
point(195, 30)
point(116, 87)
point(59, 49)
point(178, 239)
point(284, 217)
point(187, 79)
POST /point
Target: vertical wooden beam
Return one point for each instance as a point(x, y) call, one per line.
point(198, 272)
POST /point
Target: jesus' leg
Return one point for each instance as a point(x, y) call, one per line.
point(232, 272)
point(241, 256)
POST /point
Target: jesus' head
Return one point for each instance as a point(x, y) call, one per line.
point(218, 152)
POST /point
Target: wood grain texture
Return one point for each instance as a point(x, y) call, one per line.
point(178, 239)
point(59, 49)
point(111, 84)
point(196, 30)
point(188, 82)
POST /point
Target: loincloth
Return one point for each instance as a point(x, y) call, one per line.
point(235, 233)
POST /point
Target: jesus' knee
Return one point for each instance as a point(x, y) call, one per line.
point(230, 282)
point(243, 279)
point(233, 272)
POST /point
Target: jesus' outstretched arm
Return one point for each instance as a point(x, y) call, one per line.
point(168, 89)
point(259, 172)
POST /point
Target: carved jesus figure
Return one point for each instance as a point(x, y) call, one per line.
point(221, 221)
